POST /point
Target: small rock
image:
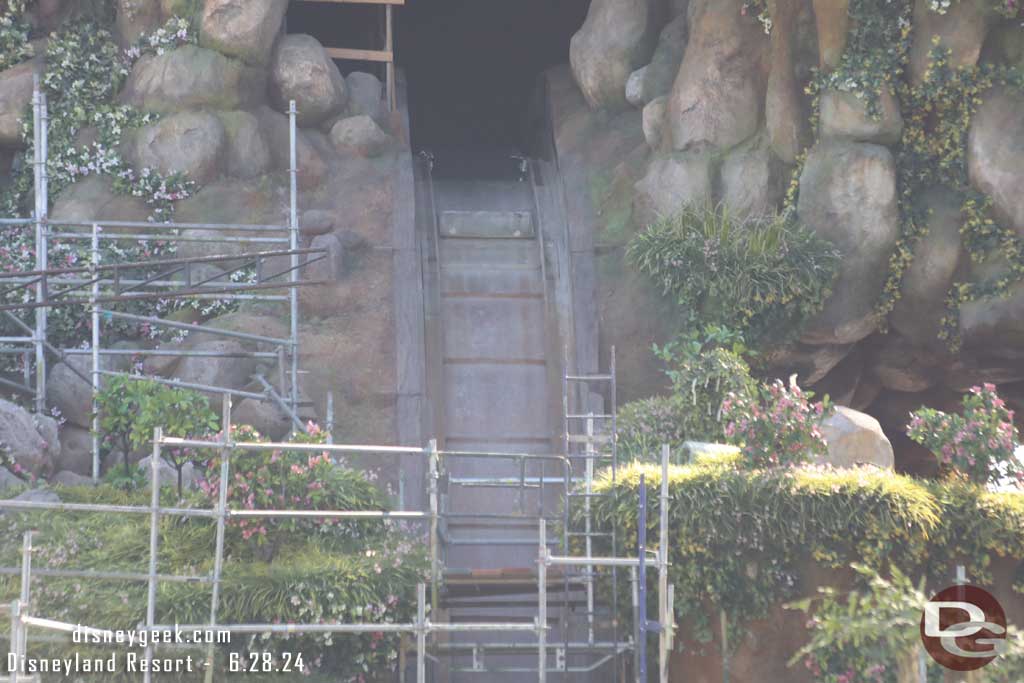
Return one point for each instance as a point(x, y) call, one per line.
point(365, 94)
point(331, 266)
point(359, 135)
point(50, 431)
point(303, 72)
point(66, 478)
point(9, 480)
point(248, 151)
point(75, 450)
point(844, 115)
point(316, 222)
point(168, 475)
point(20, 438)
point(192, 143)
point(654, 121)
point(191, 77)
point(38, 496)
point(15, 97)
point(671, 183)
point(228, 372)
point(855, 438)
point(266, 418)
point(242, 28)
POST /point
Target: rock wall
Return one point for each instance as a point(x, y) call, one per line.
point(721, 112)
point(222, 100)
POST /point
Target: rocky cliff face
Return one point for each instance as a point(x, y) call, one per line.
point(735, 98)
point(217, 76)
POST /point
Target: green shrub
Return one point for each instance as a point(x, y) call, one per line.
point(742, 540)
point(980, 444)
point(761, 275)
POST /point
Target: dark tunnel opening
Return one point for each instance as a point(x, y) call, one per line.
point(472, 67)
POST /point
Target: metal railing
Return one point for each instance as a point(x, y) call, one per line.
point(101, 286)
point(23, 617)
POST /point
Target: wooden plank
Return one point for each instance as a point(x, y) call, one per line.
point(386, 56)
point(360, 2)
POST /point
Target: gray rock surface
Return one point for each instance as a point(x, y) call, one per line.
point(15, 96)
point(996, 325)
point(844, 115)
point(192, 77)
point(671, 183)
point(245, 29)
point(995, 154)
point(653, 120)
point(961, 31)
point(302, 71)
point(71, 394)
point(716, 101)
point(168, 475)
point(9, 480)
point(359, 135)
point(218, 372)
point(365, 94)
point(655, 79)
point(38, 496)
point(94, 198)
point(332, 266)
point(248, 154)
point(855, 438)
point(617, 38)
point(21, 439)
point(269, 420)
point(312, 167)
point(316, 222)
point(66, 478)
point(848, 196)
point(75, 450)
point(192, 143)
point(753, 181)
point(135, 17)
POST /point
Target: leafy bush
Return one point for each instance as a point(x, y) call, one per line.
point(776, 426)
point(646, 424)
point(979, 444)
point(314, 577)
point(761, 275)
point(266, 480)
point(746, 541)
point(131, 409)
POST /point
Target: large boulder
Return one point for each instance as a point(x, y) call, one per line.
point(900, 365)
point(192, 143)
point(192, 77)
point(22, 442)
point(960, 29)
point(359, 135)
point(617, 38)
point(267, 419)
point(67, 478)
point(655, 79)
point(855, 438)
point(248, 152)
point(312, 169)
point(245, 29)
point(784, 116)
point(753, 181)
point(167, 474)
point(845, 115)
point(69, 385)
point(303, 72)
point(995, 324)
point(671, 183)
point(15, 97)
point(995, 154)
point(918, 313)
point(848, 196)
point(717, 98)
point(223, 371)
point(365, 94)
point(93, 198)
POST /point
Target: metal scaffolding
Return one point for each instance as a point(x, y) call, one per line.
point(239, 275)
point(23, 614)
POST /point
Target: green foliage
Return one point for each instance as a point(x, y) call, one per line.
point(705, 365)
point(762, 276)
point(979, 444)
point(314, 577)
point(130, 409)
point(745, 541)
point(859, 637)
point(263, 480)
point(776, 425)
point(14, 36)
